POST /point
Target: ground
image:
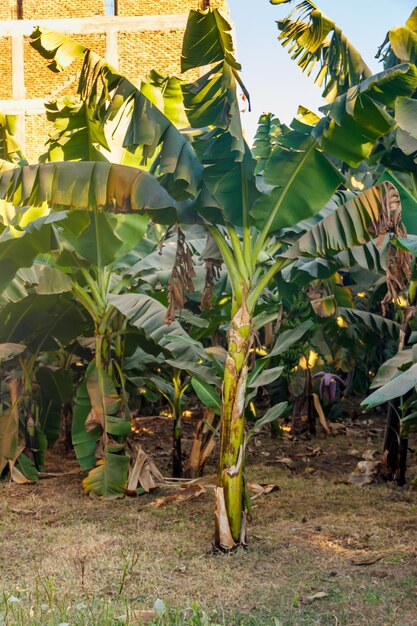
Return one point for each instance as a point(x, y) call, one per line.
point(321, 551)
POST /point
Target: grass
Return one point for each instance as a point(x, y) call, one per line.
point(68, 559)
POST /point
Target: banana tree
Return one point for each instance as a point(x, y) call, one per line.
point(250, 203)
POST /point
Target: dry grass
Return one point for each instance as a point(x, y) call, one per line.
point(59, 547)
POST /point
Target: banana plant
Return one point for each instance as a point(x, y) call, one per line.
point(34, 326)
point(254, 209)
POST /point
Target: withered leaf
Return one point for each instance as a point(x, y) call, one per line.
point(369, 560)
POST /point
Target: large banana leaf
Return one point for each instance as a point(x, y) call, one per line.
point(218, 45)
point(166, 93)
point(56, 389)
point(212, 105)
point(88, 185)
point(131, 119)
point(362, 115)
point(19, 246)
point(102, 238)
point(302, 177)
point(100, 427)
point(267, 136)
point(109, 478)
point(85, 441)
point(390, 369)
point(399, 386)
point(352, 224)
point(148, 315)
point(41, 322)
point(405, 116)
point(314, 38)
point(378, 324)
point(77, 136)
point(40, 278)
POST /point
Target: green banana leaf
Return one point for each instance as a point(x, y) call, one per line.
point(390, 368)
point(43, 322)
point(271, 415)
point(85, 441)
point(405, 116)
point(207, 394)
point(290, 337)
point(352, 224)
point(133, 126)
point(165, 92)
point(88, 185)
point(147, 315)
point(313, 38)
point(9, 147)
point(357, 119)
point(56, 389)
point(109, 477)
point(400, 44)
point(97, 415)
point(19, 246)
point(399, 386)
point(211, 101)
point(103, 238)
point(302, 177)
point(267, 136)
point(380, 325)
point(77, 135)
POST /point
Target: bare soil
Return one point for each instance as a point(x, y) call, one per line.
point(321, 550)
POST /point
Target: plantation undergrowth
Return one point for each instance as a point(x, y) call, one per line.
point(322, 551)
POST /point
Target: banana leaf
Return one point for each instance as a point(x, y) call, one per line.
point(313, 38)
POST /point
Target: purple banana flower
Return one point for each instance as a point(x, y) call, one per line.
point(328, 385)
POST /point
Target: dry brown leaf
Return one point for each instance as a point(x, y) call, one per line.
point(94, 419)
point(192, 491)
point(370, 455)
point(365, 473)
point(285, 460)
point(149, 475)
point(261, 490)
point(18, 477)
point(207, 450)
point(204, 442)
point(337, 428)
point(17, 511)
point(207, 481)
point(58, 474)
point(223, 532)
point(180, 282)
point(368, 560)
point(313, 452)
point(142, 470)
point(320, 413)
point(310, 599)
point(138, 617)
point(10, 435)
point(135, 471)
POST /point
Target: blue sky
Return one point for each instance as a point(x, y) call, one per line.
point(275, 83)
